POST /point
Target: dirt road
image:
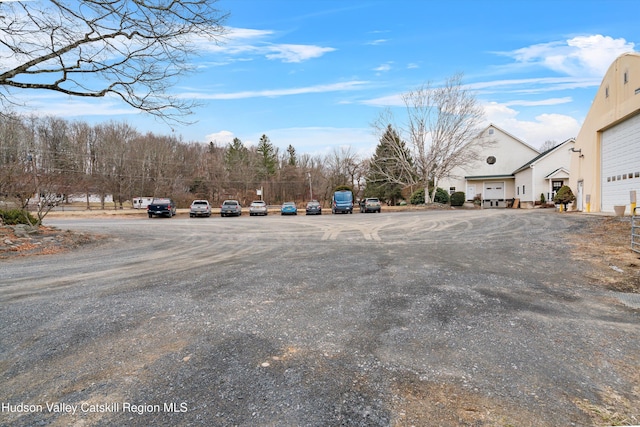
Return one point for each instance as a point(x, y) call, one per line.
point(413, 318)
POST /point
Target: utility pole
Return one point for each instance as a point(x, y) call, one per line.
point(310, 188)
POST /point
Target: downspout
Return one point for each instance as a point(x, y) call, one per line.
point(533, 185)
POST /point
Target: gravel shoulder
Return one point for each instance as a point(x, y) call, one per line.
point(394, 319)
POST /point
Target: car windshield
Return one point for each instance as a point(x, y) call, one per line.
point(230, 202)
point(343, 196)
point(258, 203)
point(372, 200)
point(200, 202)
point(289, 204)
point(313, 204)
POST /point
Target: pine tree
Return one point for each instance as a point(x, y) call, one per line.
point(292, 161)
point(387, 169)
point(267, 157)
point(236, 154)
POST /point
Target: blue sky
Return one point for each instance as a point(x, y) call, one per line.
point(316, 73)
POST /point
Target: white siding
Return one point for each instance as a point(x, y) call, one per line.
point(620, 163)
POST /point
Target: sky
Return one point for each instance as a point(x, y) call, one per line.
point(315, 74)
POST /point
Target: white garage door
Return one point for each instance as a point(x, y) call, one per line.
point(620, 163)
point(494, 190)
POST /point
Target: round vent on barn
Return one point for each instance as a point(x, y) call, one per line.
point(491, 160)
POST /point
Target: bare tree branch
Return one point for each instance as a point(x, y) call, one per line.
point(134, 50)
point(440, 124)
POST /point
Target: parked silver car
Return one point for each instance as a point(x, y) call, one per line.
point(230, 207)
point(200, 208)
point(258, 207)
point(370, 204)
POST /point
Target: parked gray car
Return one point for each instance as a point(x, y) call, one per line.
point(370, 204)
point(314, 208)
point(200, 208)
point(258, 207)
point(230, 208)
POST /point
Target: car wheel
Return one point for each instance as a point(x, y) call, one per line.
point(150, 215)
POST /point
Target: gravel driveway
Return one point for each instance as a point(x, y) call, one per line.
point(447, 318)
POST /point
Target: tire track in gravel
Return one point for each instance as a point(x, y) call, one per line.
point(139, 251)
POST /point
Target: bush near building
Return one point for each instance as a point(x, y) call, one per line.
point(564, 196)
point(418, 198)
point(457, 198)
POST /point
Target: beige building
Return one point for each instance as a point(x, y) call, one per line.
point(490, 177)
point(507, 168)
point(544, 175)
point(605, 163)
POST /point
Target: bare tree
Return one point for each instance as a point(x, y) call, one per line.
point(439, 126)
point(134, 50)
point(548, 145)
point(343, 167)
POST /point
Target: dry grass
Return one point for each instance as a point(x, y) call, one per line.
point(606, 245)
point(46, 241)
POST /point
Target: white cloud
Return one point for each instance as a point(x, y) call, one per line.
point(544, 127)
point(59, 105)
point(296, 52)
point(332, 87)
point(541, 102)
point(580, 56)
point(255, 43)
point(534, 85)
point(221, 138)
point(394, 100)
point(384, 67)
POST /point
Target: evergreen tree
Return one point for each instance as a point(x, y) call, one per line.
point(237, 164)
point(292, 161)
point(387, 169)
point(236, 154)
point(267, 157)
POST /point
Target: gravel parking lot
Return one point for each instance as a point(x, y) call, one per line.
point(478, 317)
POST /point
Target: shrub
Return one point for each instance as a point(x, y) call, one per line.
point(417, 198)
point(564, 196)
point(342, 188)
point(457, 198)
point(441, 196)
point(17, 216)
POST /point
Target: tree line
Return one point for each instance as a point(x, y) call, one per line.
point(43, 159)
